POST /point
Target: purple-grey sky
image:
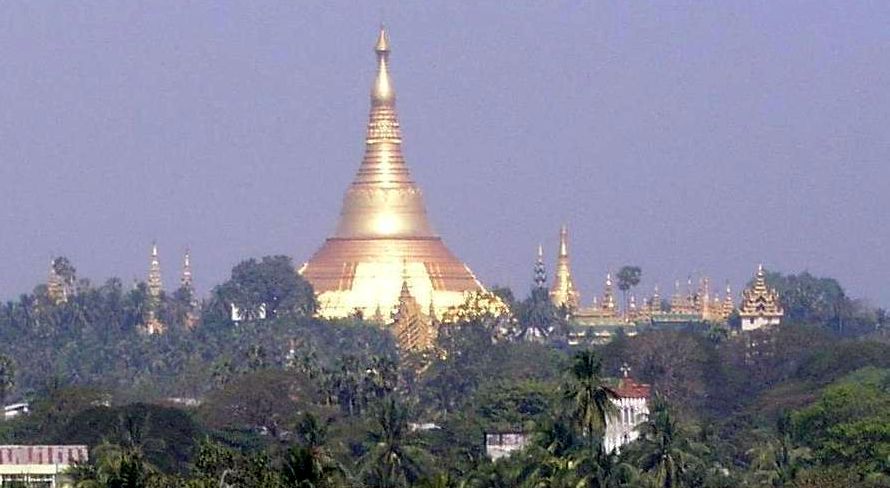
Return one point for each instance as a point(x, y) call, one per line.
point(682, 137)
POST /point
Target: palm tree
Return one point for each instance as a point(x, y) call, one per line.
point(664, 454)
point(628, 277)
point(115, 466)
point(392, 461)
point(310, 464)
point(591, 398)
point(776, 461)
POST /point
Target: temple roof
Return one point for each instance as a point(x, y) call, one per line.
point(759, 300)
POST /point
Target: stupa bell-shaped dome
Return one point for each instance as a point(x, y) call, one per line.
point(384, 236)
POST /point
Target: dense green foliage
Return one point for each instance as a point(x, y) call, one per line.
point(293, 401)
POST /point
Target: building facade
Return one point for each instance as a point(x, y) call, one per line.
point(39, 466)
point(631, 410)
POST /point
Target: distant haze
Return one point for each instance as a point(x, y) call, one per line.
point(699, 137)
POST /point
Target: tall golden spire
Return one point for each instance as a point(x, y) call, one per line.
point(383, 200)
point(383, 228)
point(563, 290)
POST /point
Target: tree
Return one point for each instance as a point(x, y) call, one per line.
point(263, 400)
point(591, 398)
point(849, 425)
point(811, 300)
point(628, 277)
point(115, 466)
point(662, 456)
point(162, 438)
point(538, 318)
point(310, 464)
point(776, 461)
point(392, 460)
point(271, 286)
point(7, 377)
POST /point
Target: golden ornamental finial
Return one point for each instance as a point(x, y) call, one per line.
point(382, 91)
point(382, 41)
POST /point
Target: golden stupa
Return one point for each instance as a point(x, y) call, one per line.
point(384, 237)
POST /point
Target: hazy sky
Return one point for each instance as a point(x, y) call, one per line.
point(681, 137)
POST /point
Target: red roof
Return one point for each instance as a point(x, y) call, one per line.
point(628, 388)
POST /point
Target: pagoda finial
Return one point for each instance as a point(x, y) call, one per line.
point(382, 41)
point(563, 244)
point(382, 93)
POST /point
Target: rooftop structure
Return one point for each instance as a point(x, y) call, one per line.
point(760, 305)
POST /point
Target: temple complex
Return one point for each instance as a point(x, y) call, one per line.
point(760, 305)
point(383, 229)
point(563, 292)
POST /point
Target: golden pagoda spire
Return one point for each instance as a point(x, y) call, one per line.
point(383, 236)
point(383, 200)
point(563, 290)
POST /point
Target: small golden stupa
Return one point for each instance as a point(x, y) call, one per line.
point(563, 292)
point(384, 237)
